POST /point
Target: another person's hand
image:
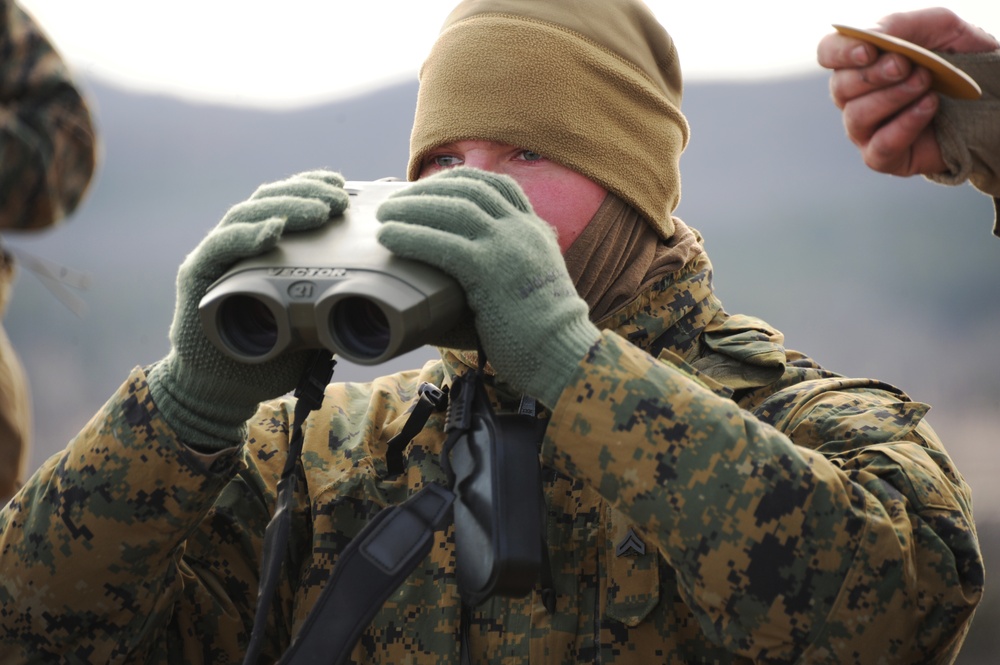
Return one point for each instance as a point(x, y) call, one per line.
point(204, 395)
point(886, 101)
point(479, 227)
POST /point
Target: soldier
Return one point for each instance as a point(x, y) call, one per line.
point(47, 156)
point(710, 496)
point(902, 127)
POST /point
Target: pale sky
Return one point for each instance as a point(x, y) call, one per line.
point(286, 53)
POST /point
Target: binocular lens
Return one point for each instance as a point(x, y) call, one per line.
point(247, 325)
point(361, 327)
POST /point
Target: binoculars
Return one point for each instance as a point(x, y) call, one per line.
point(334, 287)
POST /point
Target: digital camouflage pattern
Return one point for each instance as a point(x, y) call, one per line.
point(786, 514)
point(47, 144)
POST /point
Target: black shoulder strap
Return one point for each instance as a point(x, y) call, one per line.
point(371, 568)
point(431, 399)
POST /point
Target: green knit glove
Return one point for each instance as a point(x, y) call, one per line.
point(204, 395)
point(479, 228)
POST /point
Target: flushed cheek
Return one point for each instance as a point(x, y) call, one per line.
point(568, 209)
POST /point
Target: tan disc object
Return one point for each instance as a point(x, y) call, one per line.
point(946, 78)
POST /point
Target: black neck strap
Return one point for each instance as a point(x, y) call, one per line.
point(370, 569)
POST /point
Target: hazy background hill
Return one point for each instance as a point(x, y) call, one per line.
point(871, 275)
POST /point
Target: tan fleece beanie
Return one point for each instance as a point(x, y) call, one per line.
point(592, 84)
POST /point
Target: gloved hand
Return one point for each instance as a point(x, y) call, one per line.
point(205, 396)
point(479, 228)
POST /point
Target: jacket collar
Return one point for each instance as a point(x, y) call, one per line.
point(672, 314)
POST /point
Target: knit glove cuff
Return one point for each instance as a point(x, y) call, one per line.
point(558, 363)
point(967, 130)
point(193, 409)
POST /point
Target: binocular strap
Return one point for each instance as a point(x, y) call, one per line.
point(497, 506)
point(431, 399)
point(370, 569)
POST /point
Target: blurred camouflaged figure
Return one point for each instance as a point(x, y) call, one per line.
point(47, 155)
point(711, 497)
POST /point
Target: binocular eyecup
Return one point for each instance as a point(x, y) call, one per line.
point(365, 317)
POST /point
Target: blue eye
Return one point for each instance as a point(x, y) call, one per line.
point(529, 156)
point(445, 161)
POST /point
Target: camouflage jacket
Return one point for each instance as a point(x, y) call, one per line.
point(788, 515)
point(47, 144)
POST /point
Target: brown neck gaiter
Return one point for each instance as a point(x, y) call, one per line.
point(619, 255)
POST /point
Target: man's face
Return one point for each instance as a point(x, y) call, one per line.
point(562, 197)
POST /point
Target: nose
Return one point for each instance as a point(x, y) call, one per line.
point(481, 159)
